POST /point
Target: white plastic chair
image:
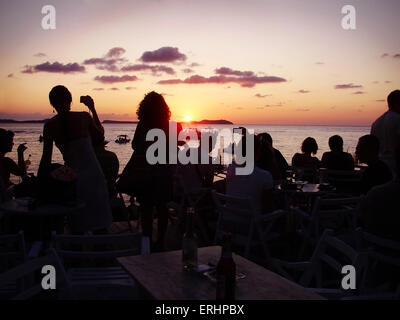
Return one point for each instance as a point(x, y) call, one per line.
point(28, 283)
point(326, 212)
point(91, 249)
point(248, 228)
point(323, 272)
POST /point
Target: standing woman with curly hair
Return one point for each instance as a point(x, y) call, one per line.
point(152, 183)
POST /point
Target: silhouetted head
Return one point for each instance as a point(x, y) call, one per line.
point(393, 101)
point(309, 146)
point(367, 149)
point(266, 136)
point(153, 110)
point(336, 143)
point(264, 153)
point(60, 98)
point(6, 141)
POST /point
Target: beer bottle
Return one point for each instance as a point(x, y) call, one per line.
point(226, 271)
point(189, 243)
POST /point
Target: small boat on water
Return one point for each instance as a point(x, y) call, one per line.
point(123, 138)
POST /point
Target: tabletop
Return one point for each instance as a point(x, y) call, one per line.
point(161, 275)
point(20, 207)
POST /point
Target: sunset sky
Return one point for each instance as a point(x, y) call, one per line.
point(254, 62)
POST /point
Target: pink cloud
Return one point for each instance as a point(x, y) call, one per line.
point(303, 91)
point(247, 82)
point(359, 92)
point(348, 86)
point(115, 52)
point(154, 69)
point(229, 72)
point(55, 67)
point(98, 89)
point(187, 70)
point(384, 55)
point(11, 75)
point(164, 54)
point(115, 79)
point(130, 88)
point(258, 95)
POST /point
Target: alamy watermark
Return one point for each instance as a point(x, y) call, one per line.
point(49, 20)
point(349, 20)
point(241, 153)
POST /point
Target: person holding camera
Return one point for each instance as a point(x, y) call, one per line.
point(72, 133)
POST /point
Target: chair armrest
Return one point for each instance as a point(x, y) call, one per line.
point(35, 250)
point(302, 213)
point(285, 268)
point(270, 215)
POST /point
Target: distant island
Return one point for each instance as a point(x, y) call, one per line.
point(212, 122)
point(22, 121)
point(117, 121)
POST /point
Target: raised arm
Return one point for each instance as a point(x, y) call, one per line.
point(20, 168)
point(47, 150)
point(88, 101)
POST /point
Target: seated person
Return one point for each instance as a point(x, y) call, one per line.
point(277, 164)
point(257, 186)
point(199, 175)
point(109, 164)
point(305, 161)
point(7, 165)
point(377, 172)
point(336, 159)
point(381, 207)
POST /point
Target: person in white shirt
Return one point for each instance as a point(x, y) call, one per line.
point(387, 129)
point(257, 186)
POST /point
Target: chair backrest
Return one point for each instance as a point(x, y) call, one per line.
point(12, 250)
point(380, 249)
point(236, 216)
point(338, 208)
point(328, 259)
point(28, 274)
point(96, 247)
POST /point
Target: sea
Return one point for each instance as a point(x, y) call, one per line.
point(286, 138)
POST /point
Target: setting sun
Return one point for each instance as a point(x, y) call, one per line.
point(188, 118)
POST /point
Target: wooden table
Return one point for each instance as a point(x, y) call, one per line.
point(161, 275)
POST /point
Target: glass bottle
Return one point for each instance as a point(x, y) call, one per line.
point(189, 243)
point(226, 271)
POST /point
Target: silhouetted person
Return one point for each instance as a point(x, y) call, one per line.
point(256, 186)
point(7, 165)
point(267, 160)
point(279, 158)
point(377, 171)
point(387, 129)
point(155, 188)
point(305, 161)
point(380, 209)
point(109, 164)
point(72, 133)
point(336, 159)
